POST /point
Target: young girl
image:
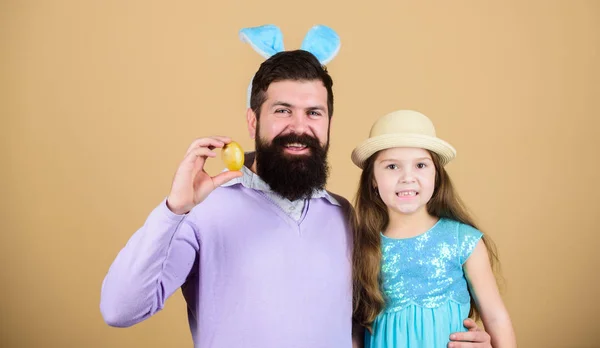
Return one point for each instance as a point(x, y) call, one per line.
point(421, 267)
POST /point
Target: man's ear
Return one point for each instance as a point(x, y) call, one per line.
point(251, 119)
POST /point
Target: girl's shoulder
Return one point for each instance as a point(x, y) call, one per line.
point(466, 237)
point(461, 228)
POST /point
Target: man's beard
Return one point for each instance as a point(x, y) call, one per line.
point(292, 176)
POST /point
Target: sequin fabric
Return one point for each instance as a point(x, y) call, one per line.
point(426, 270)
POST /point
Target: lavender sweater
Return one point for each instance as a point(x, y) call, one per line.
point(251, 275)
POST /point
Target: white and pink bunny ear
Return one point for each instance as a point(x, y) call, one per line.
point(322, 41)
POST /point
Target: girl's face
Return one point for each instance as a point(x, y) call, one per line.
point(404, 178)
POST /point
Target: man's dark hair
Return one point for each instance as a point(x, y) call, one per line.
point(297, 65)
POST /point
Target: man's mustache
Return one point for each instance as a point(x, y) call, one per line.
point(303, 139)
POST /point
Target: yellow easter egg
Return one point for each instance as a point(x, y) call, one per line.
point(233, 156)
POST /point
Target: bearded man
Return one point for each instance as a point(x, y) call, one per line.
point(262, 255)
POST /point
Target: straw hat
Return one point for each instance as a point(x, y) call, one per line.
point(403, 128)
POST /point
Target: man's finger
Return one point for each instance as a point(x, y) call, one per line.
point(470, 339)
point(202, 152)
point(204, 142)
point(223, 139)
point(224, 177)
point(216, 141)
point(470, 336)
point(471, 325)
point(468, 345)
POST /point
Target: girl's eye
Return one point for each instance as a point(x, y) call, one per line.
point(421, 165)
point(392, 166)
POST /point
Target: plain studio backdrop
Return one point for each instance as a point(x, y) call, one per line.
point(99, 101)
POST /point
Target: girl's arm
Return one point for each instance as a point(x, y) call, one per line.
point(487, 298)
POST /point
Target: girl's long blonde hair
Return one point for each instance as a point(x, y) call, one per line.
point(372, 215)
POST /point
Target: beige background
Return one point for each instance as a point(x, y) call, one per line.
point(100, 99)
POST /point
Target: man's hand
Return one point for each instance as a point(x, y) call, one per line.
point(474, 338)
point(191, 184)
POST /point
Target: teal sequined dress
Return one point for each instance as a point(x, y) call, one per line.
point(424, 286)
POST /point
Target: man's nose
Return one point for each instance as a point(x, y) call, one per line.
point(298, 123)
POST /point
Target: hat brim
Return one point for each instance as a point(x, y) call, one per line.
point(386, 141)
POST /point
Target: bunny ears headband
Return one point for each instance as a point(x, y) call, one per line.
point(322, 41)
